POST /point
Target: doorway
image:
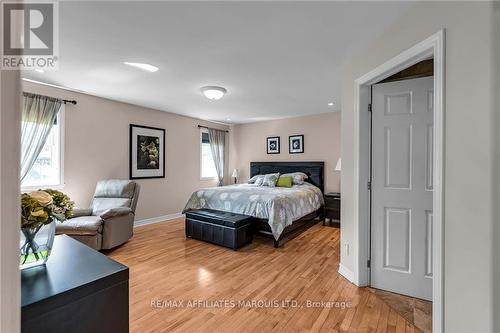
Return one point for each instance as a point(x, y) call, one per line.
point(402, 194)
point(432, 47)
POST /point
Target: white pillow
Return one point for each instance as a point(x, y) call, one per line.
point(271, 179)
point(297, 177)
point(257, 180)
point(253, 179)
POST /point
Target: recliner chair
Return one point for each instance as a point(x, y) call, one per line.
point(110, 220)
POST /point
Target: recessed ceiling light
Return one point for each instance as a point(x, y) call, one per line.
point(228, 119)
point(140, 65)
point(39, 70)
point(213, 92)
point(331, 104)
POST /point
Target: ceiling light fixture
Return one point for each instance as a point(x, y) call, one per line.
point(213, 92)
point(331, 104)
point(144, 67)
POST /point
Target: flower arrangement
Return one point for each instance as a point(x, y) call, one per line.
point(40, 209)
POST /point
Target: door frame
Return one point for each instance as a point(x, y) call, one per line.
point(433, 46)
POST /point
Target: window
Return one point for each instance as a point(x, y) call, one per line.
point(48, 168)
point(207, 162)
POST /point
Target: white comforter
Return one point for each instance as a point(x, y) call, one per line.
point(279, 205)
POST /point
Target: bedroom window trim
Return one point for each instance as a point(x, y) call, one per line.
point(214, 177)
point(60, 184)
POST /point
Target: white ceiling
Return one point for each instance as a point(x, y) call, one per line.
point(276, 59)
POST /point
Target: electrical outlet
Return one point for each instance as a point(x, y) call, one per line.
point(346, 248)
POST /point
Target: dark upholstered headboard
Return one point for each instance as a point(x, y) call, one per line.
point(314, 170)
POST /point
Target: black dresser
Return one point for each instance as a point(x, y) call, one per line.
point(78, 290)
point(332, 208)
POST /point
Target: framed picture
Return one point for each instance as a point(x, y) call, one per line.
point(296, 144)
point(273, 145)
point(147, 152)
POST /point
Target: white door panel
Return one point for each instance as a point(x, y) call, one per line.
point(397, 156)
point(401, 214)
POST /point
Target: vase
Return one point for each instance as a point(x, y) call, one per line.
point(36, 245)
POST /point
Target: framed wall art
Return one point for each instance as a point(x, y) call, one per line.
point(273, 145)
point(147, 152)
point(296, 144)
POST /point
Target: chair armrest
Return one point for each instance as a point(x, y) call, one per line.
point(115, 212)
point(77, 212)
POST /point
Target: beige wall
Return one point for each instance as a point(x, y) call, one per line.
point(10, 130)
point(321, 143)
point(97, 147)
point(496, 198)
point(469, 179)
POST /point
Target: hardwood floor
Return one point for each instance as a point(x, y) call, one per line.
point(184, 285)
point(414, 310)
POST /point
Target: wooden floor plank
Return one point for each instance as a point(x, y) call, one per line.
point(184, 285)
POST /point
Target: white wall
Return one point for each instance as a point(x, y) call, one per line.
point(10, 129)
point(469, 179)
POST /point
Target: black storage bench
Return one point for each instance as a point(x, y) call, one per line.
point(223, 228)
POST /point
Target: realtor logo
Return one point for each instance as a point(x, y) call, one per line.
point(30, 35)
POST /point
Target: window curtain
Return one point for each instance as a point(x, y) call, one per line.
point(217, 140)
point(38, 115)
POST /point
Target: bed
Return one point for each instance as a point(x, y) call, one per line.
point(280, 213)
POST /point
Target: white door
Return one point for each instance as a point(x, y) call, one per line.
point(401, 210)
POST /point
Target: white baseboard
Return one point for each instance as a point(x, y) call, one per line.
point(157, 219)
point(347, 273)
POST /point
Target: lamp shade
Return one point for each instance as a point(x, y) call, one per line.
point(236, 173)
point(338, 166)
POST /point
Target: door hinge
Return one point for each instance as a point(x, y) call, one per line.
point(369, 185)
point(370, 107)
point(369, 263)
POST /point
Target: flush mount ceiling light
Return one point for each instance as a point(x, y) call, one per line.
point(144, 67)
point(331, 104)
point(213, 92)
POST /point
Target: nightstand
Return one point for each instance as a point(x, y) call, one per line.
point(332, 208)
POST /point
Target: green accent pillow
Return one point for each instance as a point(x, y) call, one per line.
point(284, 181)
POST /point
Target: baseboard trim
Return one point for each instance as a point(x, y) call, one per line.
point(157, 219)
point(347, 273)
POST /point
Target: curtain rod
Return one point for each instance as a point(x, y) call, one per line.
point(65, 101)
point(200, 126)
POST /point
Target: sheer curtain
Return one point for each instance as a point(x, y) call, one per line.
point(217, 140)
point(38, 115)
